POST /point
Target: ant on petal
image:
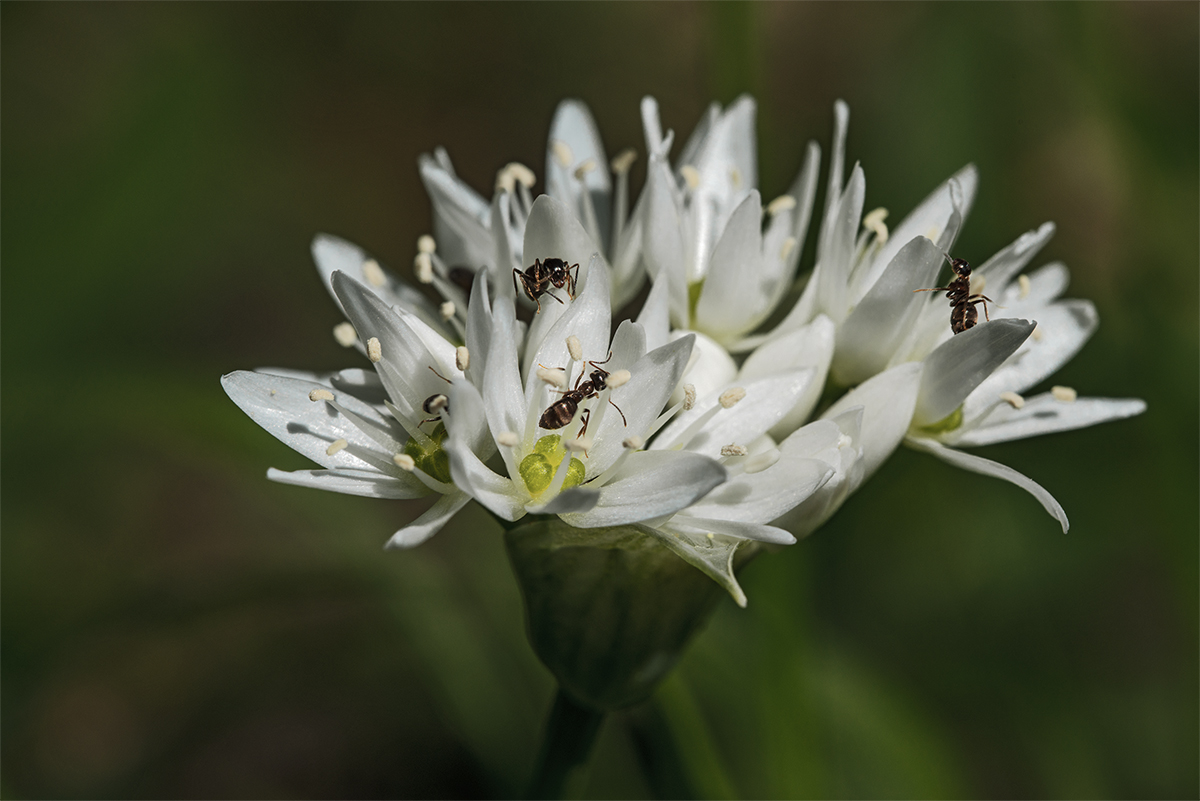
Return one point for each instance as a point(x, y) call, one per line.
point(963, 314)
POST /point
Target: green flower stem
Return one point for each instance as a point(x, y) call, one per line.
point(570, 733)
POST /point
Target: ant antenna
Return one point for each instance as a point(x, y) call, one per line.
point(439, 375)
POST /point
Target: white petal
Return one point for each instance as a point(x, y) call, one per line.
point(734, 291)
point(430, 522)
point(764, 496)
point(499, 494)
point(810, 346)
point(508, 242)
point(662, 240)
point(713, 555)
point(961, 363)
point(780, 262)
point(1065, 327)
point(1001, 268)
point(573, 126)
point(461, 218)
point(505, 405)
point(367, 483)
point(835, 250)
point(655, 316)
point(684, 522)
point(888, 400)
point(709, 368)
point(281, 406)
point(1041, 414)
point(886, 313)
point(651, 484)
point(466, 418)
point(588, 318)
point(837, 161)
point(573, 500)
point(728, 167)
point(479, 332)
point(986, 467)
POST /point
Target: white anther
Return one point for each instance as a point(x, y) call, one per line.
point(633, 443)
point(562, 153)
point(1013, 399)
point(730, 397)
point(781, 204)
point(423, 268)
point(575, 348)
point(320, 395)
point(508, 439)
point(761, 461)
point(786, 248)
point(373, 273)
point(374, 349)
point(425, 244)
point(345, 335)
point(735, 177)
point(462, 358)
point(335, 446)
point(619, 378)
point(623, 161)
point(583, 169)
point(446, 310)
point(1064, 394)
point(578, 445)
point(691, 175)
point(405, 462)
point(873, 222)
point(523, 174)
point(1023, 283)
point(734, 450)
point(1037, 333)
point(689, 397)
point(552, 376)
point(844, 442)
point(711, 536)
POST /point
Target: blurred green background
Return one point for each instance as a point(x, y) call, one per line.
point(176, 626)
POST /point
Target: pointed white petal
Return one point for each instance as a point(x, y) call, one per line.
point(835, 250)
point(461, 218)
point(734, 292)
point(499, 494)
point(573, 126)
point(1004, 266)
point(655, 316)
point(986, 467)
point(573, 500)
point(810, 346)
point(588, 317)
point(766, 495)
point(692, 524)
point(1041, 414)
point(651, 484)
point(366, 483)
point(662, 240)
point(713, 555)
point(960, 364)
point(888, 400)
point(886, 313)
point(466, 418)
point(709, 368)
point(508, 242)
point(430, 522)
point(837, 161)
point(505, 405)
point(479, 332)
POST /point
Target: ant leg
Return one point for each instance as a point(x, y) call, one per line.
point(985, 300)
point(934, 289)
point(587, 418)
point(618, 408)
point(556, 297)
point(606, 361)
point(524, 282)
point(439, 375)
point(571, 280)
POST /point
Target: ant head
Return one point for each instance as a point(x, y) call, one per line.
point(961, 268)
point(554, 265)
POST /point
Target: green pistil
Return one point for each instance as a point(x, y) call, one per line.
point(538, 468)
point(694, 290)
point(947, 423)
point(433, 460)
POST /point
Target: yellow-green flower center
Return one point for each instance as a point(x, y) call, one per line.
point(947, 423)
point(538, 468)
point(431, 458)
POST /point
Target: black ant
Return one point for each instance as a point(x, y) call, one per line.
point(964, 314)
point(538, 277)
point(436, 403)
point(562, 411)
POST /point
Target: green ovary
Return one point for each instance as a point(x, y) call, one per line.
point(433, 459)
point(947, 423)
point(538, 468)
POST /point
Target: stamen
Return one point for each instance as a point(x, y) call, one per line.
point(336, 446)
point(562, 153)
point(373, 273)
point(734, 450)
point(575, 348)
point(462, 358)
point(710, 536)
point(523, 174)
point(508, 439)
point(689, 397)
point(1037, 333)
point(1023, 283)
point(618, 379)
point(447, 310)
point(1013, 399)
point(1064, 394)
point(634, 443)
point(873, 222)
point(787, 247)
point(583, 169)
point(425, 244)
point(345, 334)
point(320, 395)
point(374, 349)
point(623, 161)
point(405, 462)
point(552, 376)
point(730, 397)
point(423, 268)
point(691, 175)
point(761, 461)
point(578, 445)
point(781, 204)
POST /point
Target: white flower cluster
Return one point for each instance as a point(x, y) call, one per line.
point(690, 422)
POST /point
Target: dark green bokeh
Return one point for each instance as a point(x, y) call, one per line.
point(175, 625)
